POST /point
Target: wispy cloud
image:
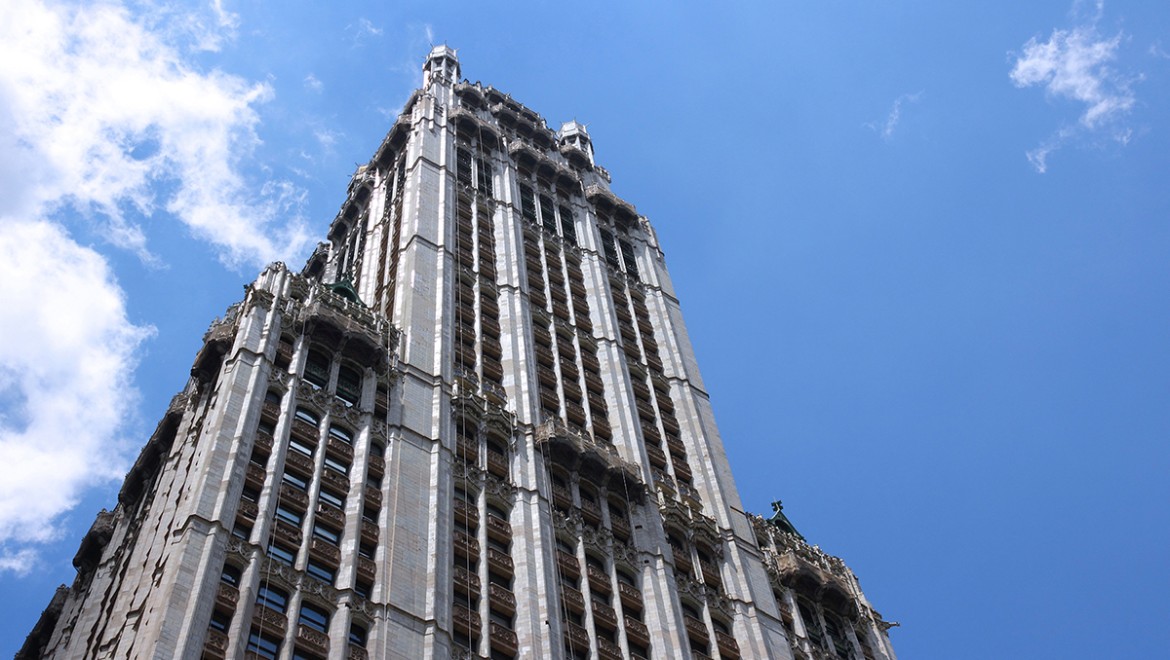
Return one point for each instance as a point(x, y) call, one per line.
point(362, 30)
point(106, 121)
point(65, 381)
point(886, 128)
point(312, 84)
point(1076, 65)
point(103, 109)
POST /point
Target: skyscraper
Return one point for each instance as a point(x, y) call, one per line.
point(471, 426)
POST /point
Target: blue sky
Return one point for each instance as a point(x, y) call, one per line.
point(921, 247)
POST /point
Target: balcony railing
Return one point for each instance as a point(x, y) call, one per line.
point(466, 546)
point(607, 650)
point(637, 632)
point(590, 511)
point(728, 647)
point(330, 514)
point(466, 513)
point(265, 617)
point(501, 562)
point(599, 579)
point(503, 639)
point(369, 532)
point(499, 529)
point(465, 621)
point(657, 458)
point(339, 448)
point(374, 497)
point(696, 629)
point(335, 479)
point(247, 510)
point(304, 431)
point(604, 616)
point(620, 527)
point(502, 599)
point(263, 442)
point(254, 476)
point(630, 595)
point(577, 636)
point(270, 412)
point(287, 533)
point(682, 558)
point(226, 596)
point(466, 582)
point(573, 599)
point(377, 466)
point(299, 461)
point(216, 644)
point(366, 568)
point(710, 573)
point(568, 564)
point(497, 463)
point(312, 640)
point(357, 653)
point(322, 549)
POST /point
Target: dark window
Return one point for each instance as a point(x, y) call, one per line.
point(314, 617)
point(377, 449)
point(628, 258)
point(291, 517)
point(220, 620)
point(341, 434)
point(263, 646)
point(307, 416)
point(548, 217)
point(463, 166)
point(281, 554)
point(527, 203)
point(336, 465)
point(272, 598)
point(349, 385)
point(241, 530)
point(300, 447)
point(320, 571)
point(329, 497)
point(366, 550)
point(327, 533)
point(357, 635)
point(568, 229)
point(484, 175)
point(317, 369)
point(230, 575)
point(363, 588)
point(295, 481)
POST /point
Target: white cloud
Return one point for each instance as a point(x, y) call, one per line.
point(1076, 65)
point(886, 128)
point(65, 381)
point(103, 120)
point(313, 84)
point(362, 30)
point(98, 109)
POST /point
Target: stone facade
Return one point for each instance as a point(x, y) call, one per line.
point(471, 426)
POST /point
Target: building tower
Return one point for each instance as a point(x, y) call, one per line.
point(471, 426)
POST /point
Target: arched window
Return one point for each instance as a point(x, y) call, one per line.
point(317, 368)
point(341, 434)
point(349, 385)
point(314, 617)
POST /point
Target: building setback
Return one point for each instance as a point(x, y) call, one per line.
point(472, 426)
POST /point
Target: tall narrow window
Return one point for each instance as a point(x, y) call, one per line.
point(568, 229)
point(349, 385)
point(314, 617)
point(317, 368)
